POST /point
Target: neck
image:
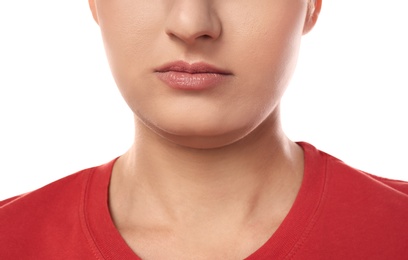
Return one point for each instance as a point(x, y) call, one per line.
point(181, 183)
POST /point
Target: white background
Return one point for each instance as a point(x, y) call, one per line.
point(61, 112)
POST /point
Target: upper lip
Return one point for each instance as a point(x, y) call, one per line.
point(194, 68)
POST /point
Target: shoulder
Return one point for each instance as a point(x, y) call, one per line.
point(343, 176)
point(361, 192)
point(360, 211)
point(61, 190)
point(46, 206)
point(355, 181)
point(46, 222)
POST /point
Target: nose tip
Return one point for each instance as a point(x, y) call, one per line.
point(190, 37)
point(192, 21)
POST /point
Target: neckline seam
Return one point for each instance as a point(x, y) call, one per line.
point(90, 238)
point(316, 212)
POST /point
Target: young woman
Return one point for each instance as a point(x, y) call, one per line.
point(211, 174)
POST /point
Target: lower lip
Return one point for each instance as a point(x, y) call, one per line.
point(191, 81)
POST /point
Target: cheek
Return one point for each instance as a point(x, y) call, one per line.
point(273, 38)
point(129, 30)
point(268, 47)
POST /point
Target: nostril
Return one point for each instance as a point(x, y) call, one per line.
point(205, 37)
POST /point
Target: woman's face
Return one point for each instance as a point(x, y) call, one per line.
point(202, 73)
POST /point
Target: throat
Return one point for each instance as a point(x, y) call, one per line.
point(210, 239)
point(175, 206)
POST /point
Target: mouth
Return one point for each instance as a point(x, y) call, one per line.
point(197, 76)
point(195, 68)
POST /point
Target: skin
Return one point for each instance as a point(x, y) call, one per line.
point(211, 174)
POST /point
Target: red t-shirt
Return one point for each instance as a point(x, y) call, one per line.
point(339, 213)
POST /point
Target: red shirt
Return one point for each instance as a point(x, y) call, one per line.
point(339, 213)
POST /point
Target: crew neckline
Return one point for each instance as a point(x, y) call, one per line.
point(284, 243)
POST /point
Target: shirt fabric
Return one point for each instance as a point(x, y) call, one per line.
point(339, 213)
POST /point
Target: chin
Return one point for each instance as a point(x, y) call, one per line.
point(199, 134)
point(202, 142)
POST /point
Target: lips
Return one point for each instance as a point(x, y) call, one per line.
point(197, 76)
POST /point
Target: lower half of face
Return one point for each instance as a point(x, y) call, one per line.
point(253, 45)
